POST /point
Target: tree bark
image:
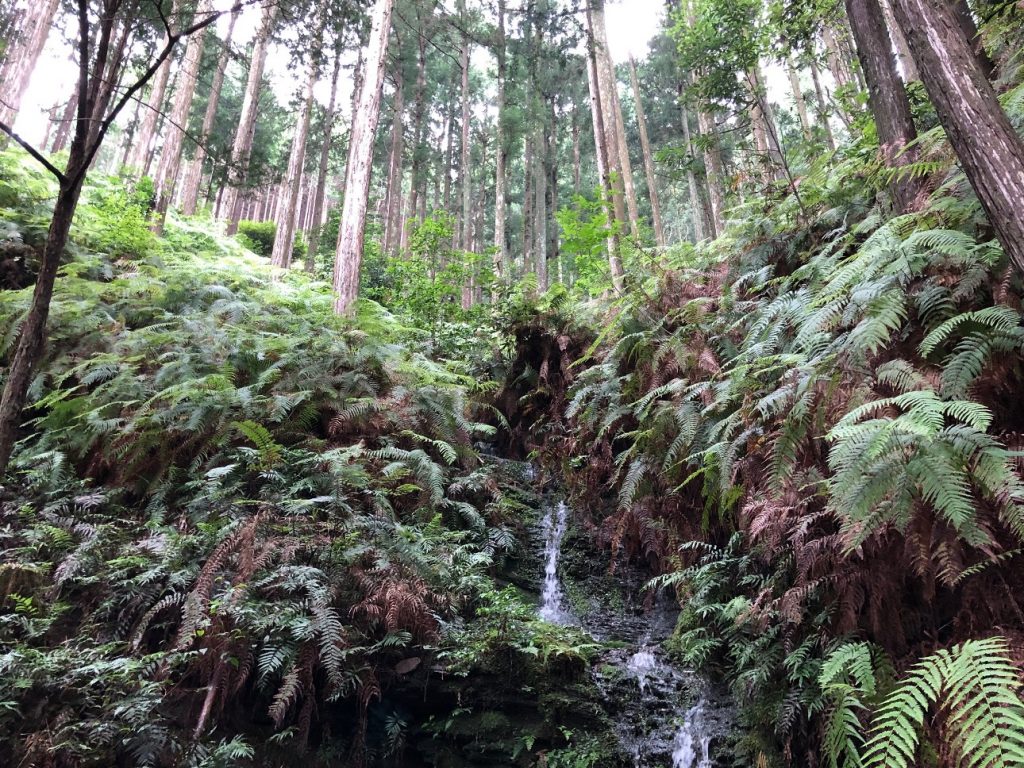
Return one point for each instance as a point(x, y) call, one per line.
point(64, 130)
point(990, 151)
point(768, 128)
point(551, 198)
point(697, 209)
point(449, 152)
point(316, 221)
point(886, 96)
point(284, 238)
point(501, 153)
point(799, 100)
point(194, 170)
point(899, 45)
point(837, 60)
point(352, 226)
point(712, 171)
point(610, 114)
point(23, 50)
point(241, 150)
point(966, 20)
point(576, 155)
point(465, 172)
point(170, 156)
point(529, 201)
point(142, 157)
point(823, 118)
point(603, 163)
point(645, 145)
point(419, 128)
point(615, 140)
point(540, 211)
point(393, 204)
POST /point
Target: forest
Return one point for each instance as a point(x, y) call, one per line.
point(511, 383)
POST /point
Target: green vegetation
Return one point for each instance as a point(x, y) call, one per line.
point(258, 237)
point(759, 344)
point(231, 500)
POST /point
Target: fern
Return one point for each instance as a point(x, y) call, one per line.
point(977, 687)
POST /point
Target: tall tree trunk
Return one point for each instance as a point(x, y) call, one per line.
point(603, 163)
point(966, 20)
point(64, 129)
point(837, 61)
point(768, 128)
point(125, 150)
point(529, 200)
point(551, 198)
point(886, 96)
point(540, 211)
point(576, 155)
point(170, 156)
point(990, 151)
point(645, 145)
point(479, 222)
point(142, 157)
point(712, 155)
point(701, 225)
point(419, 129)
point(799, 100)
point(713, 171)
point(241, 150)
point(393, 195)
point(316, 222)
point(194, 170)
point(501, 153)
point(22, 54)
point(819, 96)
point(284, 237)
point(618, 152)
point(449, 152)
point(628, 180)
point(899, 44)
point(465, 171)
point(352, 227)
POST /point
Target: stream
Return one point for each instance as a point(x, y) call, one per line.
point(664, 716)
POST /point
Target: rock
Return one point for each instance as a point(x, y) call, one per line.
point(405, 666)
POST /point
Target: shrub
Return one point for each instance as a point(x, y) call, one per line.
point(258, 237)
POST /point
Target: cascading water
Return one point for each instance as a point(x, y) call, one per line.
point(647, 696)
point(642, 665)
point(553, 526)
point(692, 746)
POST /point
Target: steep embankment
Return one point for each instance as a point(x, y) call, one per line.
point(241, 530)
point(810, 427)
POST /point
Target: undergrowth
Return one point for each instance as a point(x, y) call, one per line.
point(235, 521)
point(811, 428)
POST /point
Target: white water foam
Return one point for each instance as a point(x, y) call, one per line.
point(693, 743)
point(554, 525)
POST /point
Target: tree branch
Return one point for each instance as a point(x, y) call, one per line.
point(36, 154)
point(139, 84)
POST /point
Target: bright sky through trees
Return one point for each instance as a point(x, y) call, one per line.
point(631, 25)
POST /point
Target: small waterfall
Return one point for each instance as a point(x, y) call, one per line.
point(642, 665)
point(553, 525)
point(663, 715)
point(691, 735)
point(653, 723)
